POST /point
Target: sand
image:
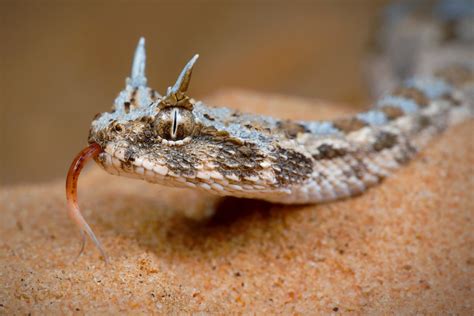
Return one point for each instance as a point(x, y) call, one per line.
point(404, 246)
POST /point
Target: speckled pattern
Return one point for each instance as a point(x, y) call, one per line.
point(403, 246)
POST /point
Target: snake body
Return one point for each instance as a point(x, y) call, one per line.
point(253, 156)
point(175, 140)
point(247, 155)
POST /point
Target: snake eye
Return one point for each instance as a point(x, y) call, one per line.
point(174, 123)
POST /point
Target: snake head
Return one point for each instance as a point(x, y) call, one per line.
point(177, 141)
point(142, 115)
point(139, 112)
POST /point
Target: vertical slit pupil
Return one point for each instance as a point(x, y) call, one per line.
point(174, 126)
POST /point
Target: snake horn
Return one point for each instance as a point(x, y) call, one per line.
point(182, 83)
point(137, 76)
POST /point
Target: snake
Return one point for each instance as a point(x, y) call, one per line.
point(174, 140)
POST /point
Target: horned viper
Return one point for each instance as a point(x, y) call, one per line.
point(175, 140)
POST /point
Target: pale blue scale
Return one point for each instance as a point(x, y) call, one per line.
point(407, 105)
point(433, 88)
point(321, 128)
point(373, 117)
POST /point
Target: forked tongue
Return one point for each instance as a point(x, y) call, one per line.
point(91, 151)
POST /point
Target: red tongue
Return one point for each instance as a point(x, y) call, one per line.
point(92, 151)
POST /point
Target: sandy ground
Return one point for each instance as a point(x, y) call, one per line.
point(405, 246)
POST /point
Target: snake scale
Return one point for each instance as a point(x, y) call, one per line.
point(174, 140)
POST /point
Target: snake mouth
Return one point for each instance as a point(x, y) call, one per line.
point(145, 169)
point(90, 152)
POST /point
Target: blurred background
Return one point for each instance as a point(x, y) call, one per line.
point(64, 61)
